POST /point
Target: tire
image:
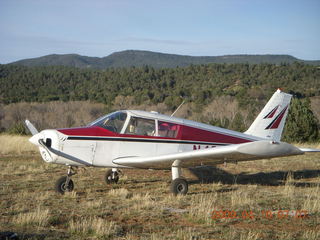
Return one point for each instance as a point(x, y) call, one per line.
point(61, 185)
point(108, 177)
point(179, 186)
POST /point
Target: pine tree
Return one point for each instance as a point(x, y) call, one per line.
point(237, 123)
point(302, 125)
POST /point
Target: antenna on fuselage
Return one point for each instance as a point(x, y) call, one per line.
point(178, 107)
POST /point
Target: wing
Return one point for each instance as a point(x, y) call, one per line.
point(212, 156)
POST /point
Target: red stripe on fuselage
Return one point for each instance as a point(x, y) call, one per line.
point(186, 133)
point(88, 131)
point(195, 134)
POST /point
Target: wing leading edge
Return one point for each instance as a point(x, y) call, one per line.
point(212, 156)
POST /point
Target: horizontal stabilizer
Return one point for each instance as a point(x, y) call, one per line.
point(309, 150)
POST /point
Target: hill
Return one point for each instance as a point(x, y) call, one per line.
point(138, 58)
point(71, 60)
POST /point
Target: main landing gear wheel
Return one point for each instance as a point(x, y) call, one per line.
point(112, 176)
point(64, 184)
point(179, 186)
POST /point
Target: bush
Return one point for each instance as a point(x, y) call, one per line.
point(18, 129)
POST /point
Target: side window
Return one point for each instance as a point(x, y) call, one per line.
point(166, 129)
point(141, 126)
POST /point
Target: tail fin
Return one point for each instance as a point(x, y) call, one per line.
point(270, 122)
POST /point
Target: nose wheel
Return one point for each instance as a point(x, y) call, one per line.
point(65, 183)
point(112, 176)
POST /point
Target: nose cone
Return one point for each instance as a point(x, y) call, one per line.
point(48, 142)
point(35, 138)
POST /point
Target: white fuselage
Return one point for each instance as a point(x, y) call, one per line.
point(98, 146)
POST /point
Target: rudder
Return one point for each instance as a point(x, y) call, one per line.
point(270, 122)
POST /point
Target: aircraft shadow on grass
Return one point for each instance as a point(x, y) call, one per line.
point(208, 174)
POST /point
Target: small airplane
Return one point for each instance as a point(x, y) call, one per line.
point(149, 140)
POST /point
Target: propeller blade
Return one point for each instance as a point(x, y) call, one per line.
point(31, 128)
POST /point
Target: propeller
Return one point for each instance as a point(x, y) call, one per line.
point(31, 128)
point(36, 136)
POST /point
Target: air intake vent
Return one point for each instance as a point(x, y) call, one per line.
point(48, 142)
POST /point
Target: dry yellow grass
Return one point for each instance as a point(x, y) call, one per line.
point(140, 206)
point(39, 217)
point(16, 145)
point(140, 202)
point(289, 187)
point(312, 201)
point(311, 235)
point(119, 193)
point(94, 226)
point(93, 204)
point(251, 235)
point(201, 207)
point(242, 198)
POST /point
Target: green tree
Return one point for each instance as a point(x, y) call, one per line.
point(302, 125)
point(17, 129)
point(237, 123)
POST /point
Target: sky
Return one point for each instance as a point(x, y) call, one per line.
point(97, 28)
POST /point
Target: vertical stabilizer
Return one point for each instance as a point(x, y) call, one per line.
point(270, 122)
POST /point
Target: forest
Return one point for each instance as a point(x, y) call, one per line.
point(227, 95)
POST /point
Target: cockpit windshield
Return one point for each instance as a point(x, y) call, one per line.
point(113, 122)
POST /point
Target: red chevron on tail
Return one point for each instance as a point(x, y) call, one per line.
point(275, 123)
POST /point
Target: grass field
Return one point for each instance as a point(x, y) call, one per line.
point(248, 200)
